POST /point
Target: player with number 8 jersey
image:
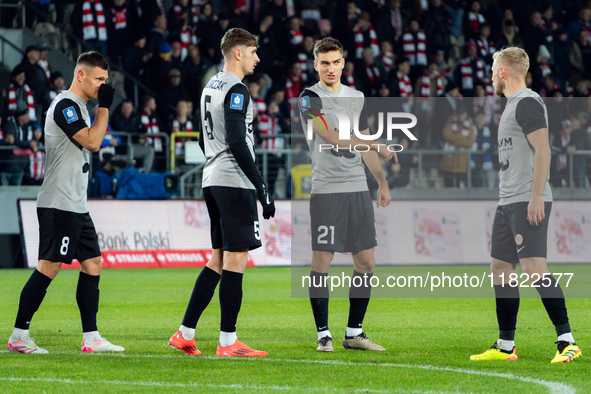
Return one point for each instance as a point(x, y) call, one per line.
point(231, 185)
point(66, 231)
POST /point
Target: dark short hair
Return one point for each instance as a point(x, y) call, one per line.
point(327, 44)
point(237, 36)
point(92, 59)
point(145, 100)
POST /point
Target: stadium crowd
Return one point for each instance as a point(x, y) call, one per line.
point(412, 49)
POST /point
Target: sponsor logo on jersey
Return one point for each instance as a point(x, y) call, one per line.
point(70, 114)
point(236, 101)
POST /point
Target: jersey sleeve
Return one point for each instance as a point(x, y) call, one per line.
point(235, 106)
point(310, 105)
point(529, 113)
point(68, 117)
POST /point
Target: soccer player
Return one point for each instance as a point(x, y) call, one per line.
point(66, 231)
point(342, 217)
point(231, 185)
point(520, 227)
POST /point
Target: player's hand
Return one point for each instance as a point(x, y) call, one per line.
point(535, 210)
point(386, 153)
point(105, 96)
point(266, 201)
point(384, 196)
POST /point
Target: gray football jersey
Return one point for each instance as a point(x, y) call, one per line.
point(334, 171)
point(66, 161)
point(224, 94)
point(524, 113)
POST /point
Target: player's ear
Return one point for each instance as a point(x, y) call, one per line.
point(237, 53)
point(80, 74)
point(315, 66)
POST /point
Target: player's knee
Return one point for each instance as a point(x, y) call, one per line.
point(498, 267)
point(92, 266)
point(365, 266)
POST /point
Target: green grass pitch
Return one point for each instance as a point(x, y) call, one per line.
point(428, 341)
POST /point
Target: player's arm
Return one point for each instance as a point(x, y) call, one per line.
point(235, 118)
point(90, 138)
point(529, 113)
point(321, 126)
point(372, 161)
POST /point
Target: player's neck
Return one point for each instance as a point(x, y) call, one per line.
point(234, 69)
point(512, 87)
point(78, 92)
point(335, 87)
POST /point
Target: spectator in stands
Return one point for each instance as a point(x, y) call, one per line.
point(36, 157)
point(193, 70)
point(533, 37)
point(324, 28)
point(443, 65)
point(205, 24)
point(398, 19)
point(150, 9)
point(370, 74)
point(123, 26)
point(445, 105)
point(149, 125)
point(126, 119)
point(486, 47)
point(278, 94)
point(20, 96)
point(57, 85)
point(438, 23)
point(278, 9)
point(415, 49)
point(267, 51)
point(458, 134)
point(472, 20)
point(583, 22)
point(239, 17)
point(135, 59)
point(509, 37)
point(581, 140)
point(483, 172)
point(273, 123)
point(170, 96)
point(580, 58)
point(293, 36)
point(214, 37)
point(398, 174)
point(348, 76)
point(36, 79)
point(387, 55)
point(561, 58)
point(482, 103)
point(181, 122)
point(549, 23)
point(176, 55)
point(365, 36)
point(156, 73)
point(306, 59)
point(469, 70)
point(561, 147)
point(18, 131)
point(91, 21)
point(431, 83)
point(258, 103)
point(105, 178)
point(180, 17)
point(294, 82)
point(456, 10)
point(157, 36)
point(399, 82)
point(43, 62)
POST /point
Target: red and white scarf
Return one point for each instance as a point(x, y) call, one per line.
point(37, 164)
point(303, 60)
point(151, 126)
point(188, 37)
point(373, 73)
point(350, 80)
point(296, 37)
point(30, 102)
point(179, 147)
point(259, 104)
point(466, 69)
point(416, 53)
point(88, 23)
point(486, 47)
point(545, 69)
point(360, 42)
point(426, 84)
point(388, 60)
point(404, 84)
point(119, 18)
point(44, 64)
point(396, 20)
point(269, 125)
point(487, 107)
point(292, 88)
point(475, 20)
point(544, 26)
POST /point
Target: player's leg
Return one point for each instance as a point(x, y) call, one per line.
point(87, 251)
point(30, 299)
point(504, 261)
point(359, 295)
point(319, 297)
point(207, 281)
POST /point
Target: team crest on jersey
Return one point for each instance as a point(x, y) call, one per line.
point(305, 102)
point(236, 101)
point(70, 114)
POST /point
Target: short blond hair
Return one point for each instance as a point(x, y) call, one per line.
point(514, 59)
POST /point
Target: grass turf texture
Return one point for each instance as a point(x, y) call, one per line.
point(141, 309)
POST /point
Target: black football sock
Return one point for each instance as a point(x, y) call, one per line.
point(358, 298)
point(553, 300)
point(31, 297)
point(202, 294)
point(87, 296)
point(230, 299)
point(507, 298)
point(319, 299)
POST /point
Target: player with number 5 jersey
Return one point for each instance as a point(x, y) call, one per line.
point(232, 184)
point(66, 231)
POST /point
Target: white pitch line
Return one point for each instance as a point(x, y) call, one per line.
point(212, 385)
point(554, 387)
